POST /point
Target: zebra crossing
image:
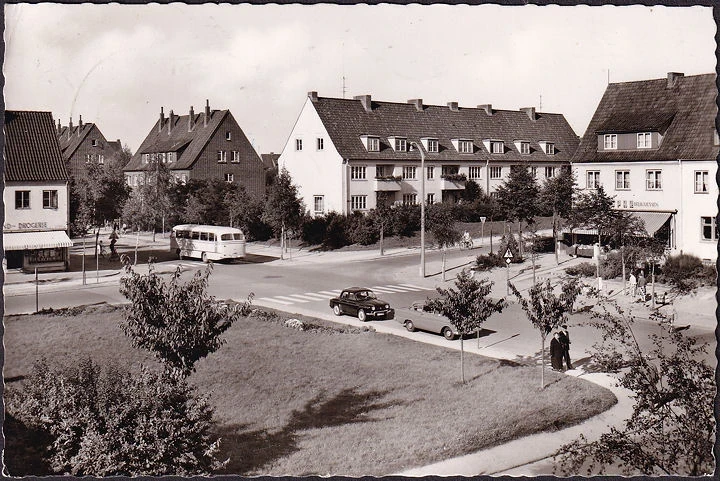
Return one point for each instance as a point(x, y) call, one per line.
point(329, 294)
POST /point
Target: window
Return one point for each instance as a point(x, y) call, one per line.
point(622, 180)
point(94, 142)
point(128, 180)
point(320, 143)
point(495, 172)
point(701, 181)
point(449, 170)
point(533, 172)
point(383, 171)
point(549, 148)
point(708, 228)
point(373, 144)
point(88, 158)
point(146, 158)
point(475, 172)
point(432, 145)
point(610, 142)
point(101, 159)
point(408, 172)
point(22, 199)
point(400, 145)
point(644, 140)
point(228, 135)
point(50, 199)
point(524, 147)
point(465, 146)
point(171, 157)
point(357, 172)
point(716, 137)
point(319, 204)
point(549, 172)
point(430, 172)
point(229, 177)
point(358, 202)
point(430, 199)
point(235, 156)
point(497, 147)
point(222, 156)
point(654, 179)
point(593, 179)
point(409, 199)
point(183, 178)
point(298, 144)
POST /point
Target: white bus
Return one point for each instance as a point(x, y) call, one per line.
point(207, 242)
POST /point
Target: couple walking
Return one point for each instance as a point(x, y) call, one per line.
point(560, 349)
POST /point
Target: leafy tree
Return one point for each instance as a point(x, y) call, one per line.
point(178, 322)
point(594, 209)
point(149, 204)
point(547, 310)
point(467, 307)
point(556, 196)
point(671, 430)
point(108, 422)
point(518, 196)
point(382, 217)
point(441, 222)
point(283, 208)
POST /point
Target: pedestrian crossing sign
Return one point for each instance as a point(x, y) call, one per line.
point(508, 254)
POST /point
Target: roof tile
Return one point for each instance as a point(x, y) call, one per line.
point(32, 151)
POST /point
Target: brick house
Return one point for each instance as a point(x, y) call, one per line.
point(208, 145)
point(83, 144)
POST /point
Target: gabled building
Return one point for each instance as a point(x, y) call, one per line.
point(85, 144)
point(653, 145)
point(208, 145)
point(346, 155)
point(36, 194)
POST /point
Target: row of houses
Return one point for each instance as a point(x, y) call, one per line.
point(652, 144)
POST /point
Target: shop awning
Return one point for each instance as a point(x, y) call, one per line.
point(17, 241)
point(653, 220)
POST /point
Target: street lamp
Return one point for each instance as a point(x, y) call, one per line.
point(422, 208)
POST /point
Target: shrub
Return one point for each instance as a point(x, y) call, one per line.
point(543, 244)
point(585, 269)
point(106, 422)
point(362, 230)
point(313, 230)
point(682, 271)
point(611, 266)
point(336, 231)
point(486, 262)
point(406, 220)
point(508, 240)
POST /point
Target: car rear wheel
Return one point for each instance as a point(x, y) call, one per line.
point(336, 309)
point(409, 326)
point(447, 332)
point(362, 316)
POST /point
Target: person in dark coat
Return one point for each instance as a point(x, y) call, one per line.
point(565, 341)
point(556, 352)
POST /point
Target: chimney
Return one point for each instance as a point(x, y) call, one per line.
point(366, 101)
point(59, 127)
point(312, 95)
point(206, 119)
point(80, 122)
point(70, 127)
point(672, 78)
point(417, 103)
point(530, 111)
point(162, 120)
point(453, 106)
point(191, 119)
point(487, 108)
point(171, 121)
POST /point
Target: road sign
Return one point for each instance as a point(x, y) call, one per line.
point(482, 219)
point(508, 254)
point(507, 260)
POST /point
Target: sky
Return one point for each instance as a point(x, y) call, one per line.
point(117, 65)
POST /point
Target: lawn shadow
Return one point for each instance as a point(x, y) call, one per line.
point(250, 450)
point(25, 449)
point(474, 335)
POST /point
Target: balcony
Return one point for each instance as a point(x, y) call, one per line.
point(387, 183)
point(453, 182)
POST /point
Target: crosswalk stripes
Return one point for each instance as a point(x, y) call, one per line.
point(325, 295)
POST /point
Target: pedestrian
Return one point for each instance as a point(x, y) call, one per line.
point(565, 340)
point(113, 241)
point(641, 284)
point(124, 228)
point(556, 352)
point(633, 285)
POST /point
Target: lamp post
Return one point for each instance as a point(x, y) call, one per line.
point(422, 208)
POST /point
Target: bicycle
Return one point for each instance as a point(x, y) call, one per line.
point(466, 244)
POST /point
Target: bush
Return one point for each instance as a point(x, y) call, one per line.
point(108, 422)
point(362, 230)
point(508, 240)
point(406, 220)
point(336, 231)
point(611, 266)
point(313, 230)
point(543, 244)
point(586, 269)
point(486, 262)
point(683, 271)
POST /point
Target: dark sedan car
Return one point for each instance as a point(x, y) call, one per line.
point(361, 302)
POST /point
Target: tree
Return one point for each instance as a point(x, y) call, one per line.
point(467, 307)
point(382, 217)
point(546, 310)
point(109, 421)
point(283, 208)
point(244, 211)
point(556, 196)
point(671, 430)
point(441, 222)
point(594, 209)
point(178, 322)
point(518, 196)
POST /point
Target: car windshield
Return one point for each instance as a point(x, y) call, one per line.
point(366, 295)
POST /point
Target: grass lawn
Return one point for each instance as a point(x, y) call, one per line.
point(331, 400)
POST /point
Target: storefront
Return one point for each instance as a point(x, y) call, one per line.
point(45, 250)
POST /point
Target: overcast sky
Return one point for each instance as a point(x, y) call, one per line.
point(116, 65)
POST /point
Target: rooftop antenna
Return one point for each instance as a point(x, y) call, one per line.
point(540, 106)
point(608, 80)
point(343, 69)
point(343, 86)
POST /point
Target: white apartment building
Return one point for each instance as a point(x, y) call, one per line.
point(348, 155)
point(653, 145)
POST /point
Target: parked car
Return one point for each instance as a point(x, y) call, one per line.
point(361, 302)
point(416, 317)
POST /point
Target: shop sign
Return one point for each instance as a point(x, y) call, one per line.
point(45, 255)
point(634, 204)
point(25, 225)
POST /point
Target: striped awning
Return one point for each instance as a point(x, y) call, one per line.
point(653, 222)
point(18, 241)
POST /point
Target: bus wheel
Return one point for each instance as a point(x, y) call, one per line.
point(205, 257)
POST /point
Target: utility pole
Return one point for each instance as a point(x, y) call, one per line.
point(422, 209)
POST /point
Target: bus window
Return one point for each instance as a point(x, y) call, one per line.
point(239, 236)
point(195, 235)
point(204, 236)
point(226, 237)
point(211, 236)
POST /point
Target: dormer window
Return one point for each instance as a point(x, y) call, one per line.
point(371, 143)
point(146, 158)
point(547, 147)
point(716, 137)
point(431, 145)
point(398, 143)
point(463, 146)
point(644, 140)
point(610, 142)
point(523, 146)
point(497, 147)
